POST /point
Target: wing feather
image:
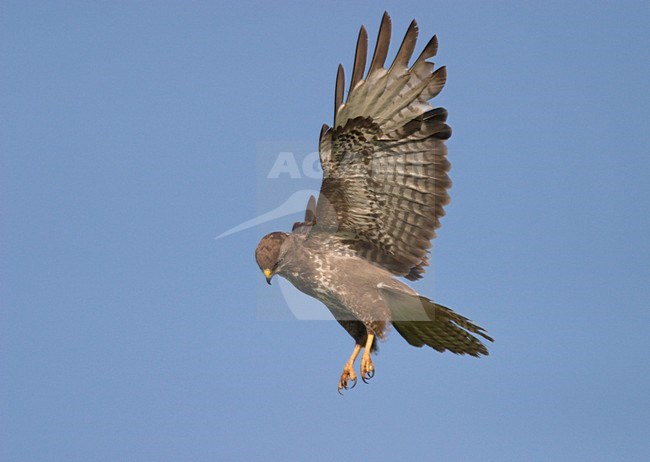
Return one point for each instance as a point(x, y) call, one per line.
point(407, 47)
point(310, 217)
point(339, 88)
point(384, 161)
point(381, 47)
point(429, 51)
point(359, 58)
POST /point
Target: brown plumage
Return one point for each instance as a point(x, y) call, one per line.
point(384, 187)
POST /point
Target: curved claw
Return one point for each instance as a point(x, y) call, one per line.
point(348, 379)
point(367, 370)
point(343, 385)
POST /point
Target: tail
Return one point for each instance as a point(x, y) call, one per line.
point(438, 327)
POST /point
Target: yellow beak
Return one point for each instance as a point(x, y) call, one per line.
point(268, 275)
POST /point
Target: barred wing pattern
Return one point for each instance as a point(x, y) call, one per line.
point(384, 161)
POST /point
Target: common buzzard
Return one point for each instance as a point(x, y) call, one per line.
point(384, 187)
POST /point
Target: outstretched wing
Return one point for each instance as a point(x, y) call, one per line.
point(384, 161)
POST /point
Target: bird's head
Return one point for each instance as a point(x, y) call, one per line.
point(268, 253)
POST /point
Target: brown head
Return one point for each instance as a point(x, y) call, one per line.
point(267, 253)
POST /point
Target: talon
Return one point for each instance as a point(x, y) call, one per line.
point(367, 369)
point(348, 380)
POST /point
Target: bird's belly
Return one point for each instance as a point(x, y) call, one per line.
point(325, 292)
point(348, 290)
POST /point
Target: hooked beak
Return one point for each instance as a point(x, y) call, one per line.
point(268, 275)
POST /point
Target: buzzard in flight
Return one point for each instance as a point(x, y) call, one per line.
point(384, 187)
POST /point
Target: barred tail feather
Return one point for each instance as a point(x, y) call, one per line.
point(423, 322)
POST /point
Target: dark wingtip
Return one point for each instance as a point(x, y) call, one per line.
point(429, 51)
point(360, 56)
point(381, 46)
point(338, 92)
point(408, 45)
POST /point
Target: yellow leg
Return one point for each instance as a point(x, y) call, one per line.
point(348, 370)
point(367, 369)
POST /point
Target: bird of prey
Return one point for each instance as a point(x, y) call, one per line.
point(384, 186)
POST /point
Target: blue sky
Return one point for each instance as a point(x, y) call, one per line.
point(131, 134)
